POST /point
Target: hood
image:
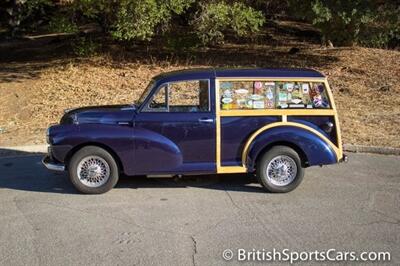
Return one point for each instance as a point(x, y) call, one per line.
point(106, 114)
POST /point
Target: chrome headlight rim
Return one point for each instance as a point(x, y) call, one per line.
point(49, 138)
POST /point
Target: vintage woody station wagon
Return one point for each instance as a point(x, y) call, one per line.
point(271, 122)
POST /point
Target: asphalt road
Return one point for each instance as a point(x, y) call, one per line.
point(348, 207)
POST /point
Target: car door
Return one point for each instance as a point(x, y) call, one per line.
point(175, 130)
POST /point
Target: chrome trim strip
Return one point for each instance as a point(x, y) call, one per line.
point(52, 166)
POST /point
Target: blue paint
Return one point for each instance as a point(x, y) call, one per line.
point(239, 73)
point(177, 143)
point(235, 131)
point(117, 139)
point(187, 140)
point(268, 73)
point(316, 150)
point(317, 122)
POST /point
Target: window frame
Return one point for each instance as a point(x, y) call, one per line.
point(148, 109)
point(282, 80)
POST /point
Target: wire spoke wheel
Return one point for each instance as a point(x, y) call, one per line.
point(93, 171)
point(281, 170)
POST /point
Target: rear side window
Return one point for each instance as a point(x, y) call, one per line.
point(255, 94)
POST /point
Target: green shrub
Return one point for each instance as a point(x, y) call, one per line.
point(213, 19)
point(136, 20)
point(61, 23)
point(84, 46)
point(384, 31)
point(245, 20)
point(343, 22)
point(24, 15)
point(140, 19)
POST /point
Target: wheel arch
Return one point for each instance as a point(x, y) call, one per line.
point(312, 147)
point(296, 148)
point(96, 144)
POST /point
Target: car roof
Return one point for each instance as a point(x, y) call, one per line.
point(268, 72)
point(205, 73)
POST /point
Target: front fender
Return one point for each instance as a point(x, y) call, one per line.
point(137, 149)
point(118, 139)
point(316, 150)
point(155, 153)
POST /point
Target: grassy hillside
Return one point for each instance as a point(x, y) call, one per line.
point(39, 78)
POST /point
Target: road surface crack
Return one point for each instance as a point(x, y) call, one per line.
point(393, 221)
point(194, 249)
point(232, 201)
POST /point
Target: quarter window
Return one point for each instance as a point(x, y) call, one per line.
point(272, 95)
point(159, 100)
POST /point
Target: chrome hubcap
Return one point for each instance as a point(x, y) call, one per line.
point(281, 170)
point(93, 171)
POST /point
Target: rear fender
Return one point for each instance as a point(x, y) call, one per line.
point(316, 149)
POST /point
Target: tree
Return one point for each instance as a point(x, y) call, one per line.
point(140, 19)
point(346, 22)
point(17, 15)
point(215, 18)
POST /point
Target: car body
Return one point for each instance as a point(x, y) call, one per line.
point(207, 121)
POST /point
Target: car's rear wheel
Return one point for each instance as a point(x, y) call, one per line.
point(280, 169)
point(93, 170)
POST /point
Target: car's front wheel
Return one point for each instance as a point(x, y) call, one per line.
point(93, 170)
point(280, 170)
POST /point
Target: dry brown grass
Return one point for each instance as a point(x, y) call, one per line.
point(366, 85)
point(367, 92)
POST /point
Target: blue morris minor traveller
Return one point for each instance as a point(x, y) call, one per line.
point(270, 122)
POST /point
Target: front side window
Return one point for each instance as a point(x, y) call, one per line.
point(272, 95)
point(183, 96)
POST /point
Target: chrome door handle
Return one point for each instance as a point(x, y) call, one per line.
point(124, 123)
point(206, 120)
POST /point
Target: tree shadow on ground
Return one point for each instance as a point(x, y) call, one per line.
point(22, 59)
point(26, 58)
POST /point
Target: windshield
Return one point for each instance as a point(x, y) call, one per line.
point(145, 93)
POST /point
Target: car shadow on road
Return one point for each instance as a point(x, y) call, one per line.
point(230, 182)
point(24, 171)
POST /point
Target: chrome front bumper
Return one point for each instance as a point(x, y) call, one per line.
point(51, 165)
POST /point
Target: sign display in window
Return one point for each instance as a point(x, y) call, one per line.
point(255, 94)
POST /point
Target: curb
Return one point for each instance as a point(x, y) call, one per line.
point(371, 149)
point(38, 149)
point(23, 150)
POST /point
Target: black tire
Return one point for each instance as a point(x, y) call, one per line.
point(93, 151)
point(265, 159)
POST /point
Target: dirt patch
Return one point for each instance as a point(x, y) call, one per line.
point(367, 90)
point(34, 93)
